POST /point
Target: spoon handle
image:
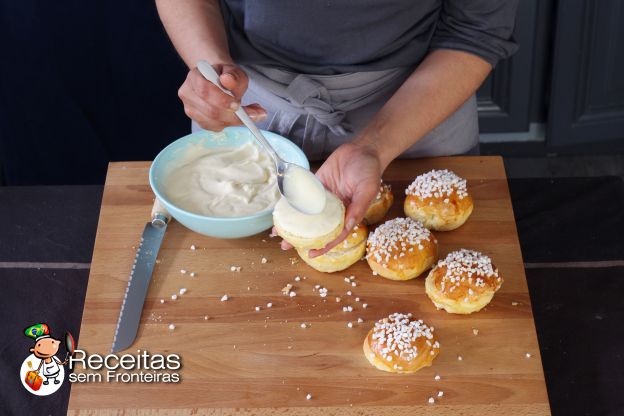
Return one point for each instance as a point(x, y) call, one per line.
point(211, 75)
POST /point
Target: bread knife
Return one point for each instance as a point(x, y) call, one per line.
point(140, 277)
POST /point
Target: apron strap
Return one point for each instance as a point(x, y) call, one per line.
point(316, 105)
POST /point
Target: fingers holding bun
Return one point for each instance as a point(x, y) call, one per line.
point(439, 199)
point(345, 254)
point(309, 231)
point(380, 205)
point(463, 283)
point(401, 344)
point(401, 249)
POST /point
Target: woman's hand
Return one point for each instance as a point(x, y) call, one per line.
point(210, 107)
point(352, 172)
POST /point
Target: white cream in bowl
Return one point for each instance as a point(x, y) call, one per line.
point(223, 182)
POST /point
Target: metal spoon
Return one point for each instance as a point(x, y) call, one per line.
point(281, 165)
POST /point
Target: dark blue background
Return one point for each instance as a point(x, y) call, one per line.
point(82, 83)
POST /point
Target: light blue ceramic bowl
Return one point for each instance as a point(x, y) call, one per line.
point(221, 227)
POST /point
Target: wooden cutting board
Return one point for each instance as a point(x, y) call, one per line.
point(239, 361)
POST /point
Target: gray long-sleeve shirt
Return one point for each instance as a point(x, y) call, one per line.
point(339, 36)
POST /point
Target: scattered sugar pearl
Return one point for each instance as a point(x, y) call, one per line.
point(354, 235)
point(357, 299)
point(514, 303)
point(193, 274)
point(346, 279)
point(528, 355)
point(337, 298)
point(440, 393)
point(460, 358)
point(431, 400)
point(349, 324)
point(304, 325)
point(182, 271)
point(365, 305)
point(351, 277)
point(317, 286)
point(360, 320)
point(353, 284)
point(292, 294)
point(257, 308)
point(374, 273)
point(182, 290)
point(224, 298)
point(437, 377)
point(349, 293)
point(193, 247)
point(205, 317)
point(269, 305)
point(174, 296)
point(233, 268)
point(171, 327)
point(308, 396)
point(475, 331)
point(162, 301)
point(297, 278)
point(264, 260)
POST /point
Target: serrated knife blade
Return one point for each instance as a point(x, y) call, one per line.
point(139, 280)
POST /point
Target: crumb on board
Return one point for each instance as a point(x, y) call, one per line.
point(286, 289)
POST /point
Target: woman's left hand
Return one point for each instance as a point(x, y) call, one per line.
point(353, 173)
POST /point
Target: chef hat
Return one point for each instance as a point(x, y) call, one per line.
point(38, 331)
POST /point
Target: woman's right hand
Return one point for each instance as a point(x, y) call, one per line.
point(210, 107)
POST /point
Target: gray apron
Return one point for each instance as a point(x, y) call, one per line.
point(321, 112)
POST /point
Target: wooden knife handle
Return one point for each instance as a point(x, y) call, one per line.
point(159, 210)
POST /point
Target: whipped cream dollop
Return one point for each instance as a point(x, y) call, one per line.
point(223, 181)
point(310, 226)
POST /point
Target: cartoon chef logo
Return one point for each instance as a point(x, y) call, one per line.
point(42, 373)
